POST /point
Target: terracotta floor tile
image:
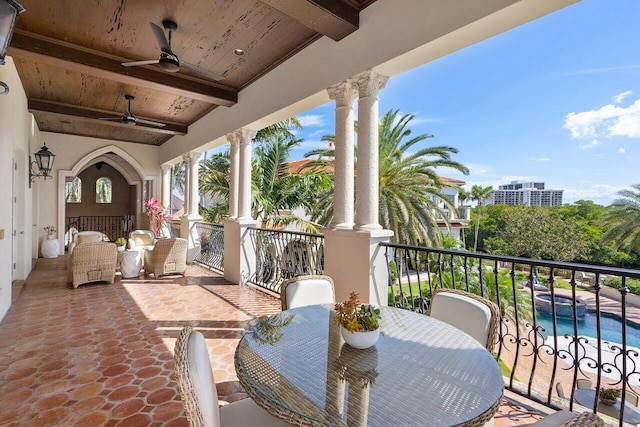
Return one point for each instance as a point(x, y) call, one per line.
point(101, 355)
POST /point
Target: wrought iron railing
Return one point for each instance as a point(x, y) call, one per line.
point(211, 244)
point(112, 226)
point(281, 255)
point(586, 333)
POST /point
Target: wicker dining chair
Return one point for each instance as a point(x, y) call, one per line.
point(566, 418)
point(473, 314)
point(198, 389)
point(584, 383)
point(306, 290)
point(92, 262)
point(168, 256)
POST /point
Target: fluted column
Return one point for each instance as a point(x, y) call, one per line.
point(166, 187)
point(187, 188)
point(234, 176)
point(244, 202)
point(192, 174)
point(343, 94)
point(367, 198)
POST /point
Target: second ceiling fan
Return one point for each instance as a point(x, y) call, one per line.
point(168, 60)
point(130, 119)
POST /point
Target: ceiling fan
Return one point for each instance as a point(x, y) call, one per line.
point(168, 60)
point(129, 118)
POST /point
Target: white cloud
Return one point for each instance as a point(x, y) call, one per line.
point(622, 150)
point(602, 194)
point(311, 120)
point(593, 144)
point(544, 159)
point(602, 70)
point(621, 96)
point(608, 121)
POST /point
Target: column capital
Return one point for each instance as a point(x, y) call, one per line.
point(166, 168)
point(343, 93)
point(233, 137)
point(191, 157)
point(246, 135)
point(369, 83)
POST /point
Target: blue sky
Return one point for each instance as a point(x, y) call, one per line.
point(556, 100)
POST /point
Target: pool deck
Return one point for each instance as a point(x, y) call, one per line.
point(610, 302)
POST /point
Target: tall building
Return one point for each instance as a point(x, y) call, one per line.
point(527, 194)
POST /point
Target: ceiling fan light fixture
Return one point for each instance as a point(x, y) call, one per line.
point(169, 62)
point(238, 52)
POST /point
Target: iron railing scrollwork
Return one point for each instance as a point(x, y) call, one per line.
point(211, 244)
point(535, 351)
point(281, 255)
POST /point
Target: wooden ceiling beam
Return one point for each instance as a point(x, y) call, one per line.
point(332, 18)
point(90, 114)
point(31, 46)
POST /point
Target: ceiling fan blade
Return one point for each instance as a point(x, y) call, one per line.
point(204, 73)
point(149, 122)
point(119, 119)
point(136, 63)
point(161, 39)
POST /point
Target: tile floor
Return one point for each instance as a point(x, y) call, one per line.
point(102, 355)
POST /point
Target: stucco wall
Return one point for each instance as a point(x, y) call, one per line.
point(16, 133)
point(120, 204)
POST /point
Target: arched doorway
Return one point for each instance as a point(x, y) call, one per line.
point(129, 185)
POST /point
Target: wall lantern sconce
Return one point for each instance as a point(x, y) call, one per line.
point(9, 10)
point(44, 162)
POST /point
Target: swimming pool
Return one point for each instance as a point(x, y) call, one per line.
point(611, 327)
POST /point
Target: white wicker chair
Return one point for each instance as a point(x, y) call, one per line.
point(306, 290)
point(141, 239)
point(92, 262)
point(85, 237)
point(570, 419)
point(198, 390)
point(473, 314)
point(168, 256)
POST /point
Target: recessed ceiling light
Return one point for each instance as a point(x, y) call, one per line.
point(238, 52)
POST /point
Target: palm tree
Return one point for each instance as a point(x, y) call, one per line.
point(410, 189)
point(622, 219)
point(479, 194)
point(276, 189)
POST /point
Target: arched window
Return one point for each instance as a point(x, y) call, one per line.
point(73, 190)
point(103, 190)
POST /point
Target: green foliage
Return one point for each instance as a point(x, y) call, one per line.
point(616, 283)
point(621, 220)
point(355, 317)
point(121, 241)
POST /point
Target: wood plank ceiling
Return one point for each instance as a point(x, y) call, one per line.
point(69, 54)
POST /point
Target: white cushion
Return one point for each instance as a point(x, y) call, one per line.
point(466, 314)
point(309, 292)
point(201, 377)
point(246, 412)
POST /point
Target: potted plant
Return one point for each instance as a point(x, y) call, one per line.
point(51, 232)
point(121, 242)
point(608, 396)
point(358, 322)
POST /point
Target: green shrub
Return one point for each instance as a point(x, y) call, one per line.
point(616, 283)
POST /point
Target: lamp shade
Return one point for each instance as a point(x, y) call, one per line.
point(9, 10)
point(44, 159)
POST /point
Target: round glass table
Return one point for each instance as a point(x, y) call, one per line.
point(420, 372)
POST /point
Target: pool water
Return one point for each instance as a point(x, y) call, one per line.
point(611, 327)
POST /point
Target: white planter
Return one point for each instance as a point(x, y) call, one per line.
point(360, 339)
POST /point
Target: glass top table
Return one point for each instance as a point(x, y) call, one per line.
point(296, 365)
point(587, 397)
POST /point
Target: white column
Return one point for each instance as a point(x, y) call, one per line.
point(234, 176)
point(187, 171)
point(244, 202)
point(194, 193)
point(166, 187)
point(367, 198)
point(344, 94)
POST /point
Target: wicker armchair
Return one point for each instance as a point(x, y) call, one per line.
point(198, 389)
point(92, 262)
point(473, 314)
point(306, 290)
point(142, 239)
point(168, 256)
point(85, 237)
point(570, 419)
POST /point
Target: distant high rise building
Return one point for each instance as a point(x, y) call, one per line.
point(527, 194)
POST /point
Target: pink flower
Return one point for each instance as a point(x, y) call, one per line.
point(155, 210)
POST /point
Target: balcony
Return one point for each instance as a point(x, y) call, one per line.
point(102, 354)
